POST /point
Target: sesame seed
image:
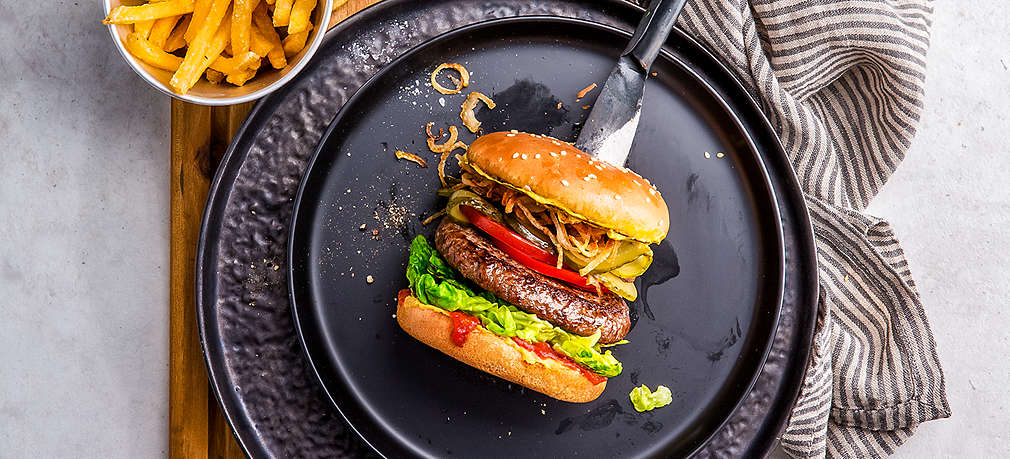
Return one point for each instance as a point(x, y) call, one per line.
point(515, 155)
point(524, 156)
point(598, 167)
point(652, 191)
point(586, 178)
point(563, 152)
point(514, 131)
point(537, 156)
point(592, 175)
point(556, 143)
point(648, 199)
point(636, 182)
point(707, 155)
point(564, 182)
point(499, 158)
point(719, 155)
point(617, 197)
point(510, 135)
point(527, 187)
point(554, 154)
point(578, 155)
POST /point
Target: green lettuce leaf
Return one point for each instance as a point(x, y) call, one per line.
point(434, 282)
point(647, 400)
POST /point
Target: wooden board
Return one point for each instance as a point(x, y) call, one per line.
point(200, 136)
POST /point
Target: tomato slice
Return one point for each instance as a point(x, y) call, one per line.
point(523, 251)
point(506, 235)
point(570, 277)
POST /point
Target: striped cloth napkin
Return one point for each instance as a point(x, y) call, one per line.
point(842, 82)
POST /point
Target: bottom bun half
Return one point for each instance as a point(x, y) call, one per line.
point(488, 352)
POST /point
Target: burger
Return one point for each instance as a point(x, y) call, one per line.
point(530, 269)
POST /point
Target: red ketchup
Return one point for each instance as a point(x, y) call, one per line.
point(545, 351)
point(462, 325)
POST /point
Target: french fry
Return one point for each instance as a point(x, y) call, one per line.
point(162, 29)
point(241, 78)
point(176, 39)
point(147, 12)
point(293, 43)
point(301, 11)
point(266, 30)
point(197, 56)
point(214, 76)
point(240, 68)
point(144, 50)
point(143, 28)
point(241, 22)
point(236, 65)
point(258, 43)
point(200, 9)
point(282, 12)
point(216, 46)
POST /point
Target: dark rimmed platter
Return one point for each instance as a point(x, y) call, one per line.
point(708, 308)
point(263, 380)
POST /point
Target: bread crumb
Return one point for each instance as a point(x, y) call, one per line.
point(369, 279)
point(362, 227)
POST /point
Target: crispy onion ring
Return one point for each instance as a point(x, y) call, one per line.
point(460, 84)
point(449, 145)
point(469, 120)
point(427, 130)
point(445, 156)
point(400, 154)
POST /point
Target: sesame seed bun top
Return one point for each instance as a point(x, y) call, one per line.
point(556, 173)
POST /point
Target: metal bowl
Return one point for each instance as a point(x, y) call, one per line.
point(266, 80)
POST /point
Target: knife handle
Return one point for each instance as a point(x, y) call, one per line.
point(652, 31)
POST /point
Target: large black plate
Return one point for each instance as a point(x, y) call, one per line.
point(709, 305)
point(257, 369)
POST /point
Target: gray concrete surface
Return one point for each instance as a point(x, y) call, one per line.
point(84, 236)
point(83, 241)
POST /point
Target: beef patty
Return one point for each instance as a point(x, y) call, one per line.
point(572, 309)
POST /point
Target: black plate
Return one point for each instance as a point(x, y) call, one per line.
point(257, 369)
point(708, 307)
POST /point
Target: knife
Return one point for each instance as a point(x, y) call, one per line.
point(610, 129)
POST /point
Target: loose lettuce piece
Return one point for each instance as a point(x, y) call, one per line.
point(647, 400)
point(435, 282)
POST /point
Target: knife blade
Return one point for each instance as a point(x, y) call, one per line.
point(610, 128)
